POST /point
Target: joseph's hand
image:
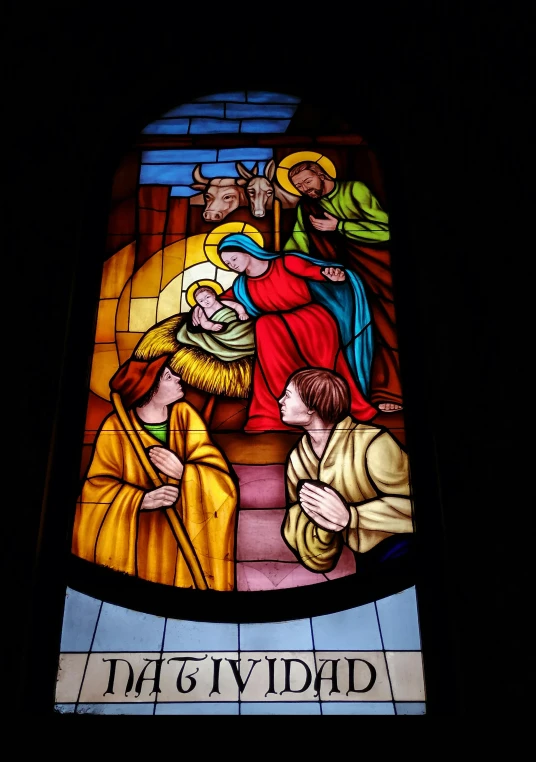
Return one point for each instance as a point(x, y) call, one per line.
point(324, 506)
point(166, 462)
point(327, 224)
point(161, 497)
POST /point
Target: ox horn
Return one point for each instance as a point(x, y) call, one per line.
point(198, 177)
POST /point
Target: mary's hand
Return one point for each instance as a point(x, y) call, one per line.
point(166, 462)
point(334, 273)
point(196, 315)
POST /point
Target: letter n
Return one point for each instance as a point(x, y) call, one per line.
point(111, 679)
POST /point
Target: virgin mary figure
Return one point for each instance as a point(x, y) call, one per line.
point(306, 314)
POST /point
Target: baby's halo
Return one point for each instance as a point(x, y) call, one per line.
point(218, 288)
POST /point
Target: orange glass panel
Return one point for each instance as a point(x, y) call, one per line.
point(97, 409)
point(105, 363)
point(195, 250)
point(105, 331)
point(142, 314)
point(115, 243)
point(126, 343)
point(116, 271)
point(147, 280)
point(174, 259)
point(169, 302)
point(123, 309)
point(147, 246)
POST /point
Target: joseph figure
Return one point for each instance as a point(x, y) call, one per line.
point(343, 221)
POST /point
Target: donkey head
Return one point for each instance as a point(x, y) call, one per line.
point(259, 188)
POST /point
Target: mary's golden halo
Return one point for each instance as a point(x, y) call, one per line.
point(213, 239)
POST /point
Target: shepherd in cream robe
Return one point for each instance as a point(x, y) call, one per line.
point(110, 529)
point(369, 470)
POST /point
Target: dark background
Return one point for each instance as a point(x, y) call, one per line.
point(443, 94)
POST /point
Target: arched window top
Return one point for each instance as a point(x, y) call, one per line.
point(238, 112)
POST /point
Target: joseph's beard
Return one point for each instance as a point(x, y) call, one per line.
point(314, 193)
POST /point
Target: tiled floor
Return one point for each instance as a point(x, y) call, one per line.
point(96, 635)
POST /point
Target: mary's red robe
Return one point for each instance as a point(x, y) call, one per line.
point(291, 334)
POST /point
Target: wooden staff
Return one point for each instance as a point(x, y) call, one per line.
point(175, 522)
point(277, 224)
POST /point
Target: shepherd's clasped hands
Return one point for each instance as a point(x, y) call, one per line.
point(324, 506)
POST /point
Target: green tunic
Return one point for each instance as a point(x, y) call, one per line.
point(158, 430)
point(235, 341)
point(360, 215)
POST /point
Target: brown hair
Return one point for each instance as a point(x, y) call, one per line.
point(208, 289)
point(311, 165)
point(323, 391)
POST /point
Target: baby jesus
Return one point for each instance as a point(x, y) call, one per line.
point(221, 329)
point(208, 304)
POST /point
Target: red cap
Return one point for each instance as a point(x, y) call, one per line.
point(135, 378)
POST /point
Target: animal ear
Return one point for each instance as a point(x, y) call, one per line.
point(198, 186)
point(269, 169)
point(255, 170)
point(243, 171)
point(241, 181)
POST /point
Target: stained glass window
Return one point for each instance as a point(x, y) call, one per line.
point(244, 536)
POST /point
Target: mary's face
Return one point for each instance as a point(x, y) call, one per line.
point(236, 260)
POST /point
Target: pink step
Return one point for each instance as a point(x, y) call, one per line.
point(274, 575)
point(259, 536)
point(261, 486)
point(277, 575)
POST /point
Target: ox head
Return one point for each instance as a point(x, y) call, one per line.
point(259, 189)
point(222, 194)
